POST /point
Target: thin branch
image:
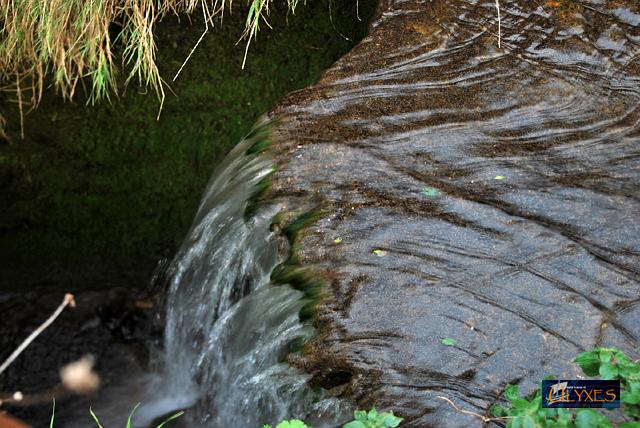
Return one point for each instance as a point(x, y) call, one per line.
point(207, 18)
point(19, 93)
point(68, 301)
point(58, 392)
point(499, 22)
point(468, 412)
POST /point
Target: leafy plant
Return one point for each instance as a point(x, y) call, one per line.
point(613, 364)
point(373, 419)
point(528, 413)
point(293, 423)
point(606, 363)
point(362, 419)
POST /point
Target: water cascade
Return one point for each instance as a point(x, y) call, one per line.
point(228, 328)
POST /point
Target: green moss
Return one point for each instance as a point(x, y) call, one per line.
point(262, 138)
point(302, 279)
point(259, 190)
point(290, 272)
point(97, 194)
point(293, 229)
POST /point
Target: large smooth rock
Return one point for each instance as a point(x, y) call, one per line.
point(524, 272)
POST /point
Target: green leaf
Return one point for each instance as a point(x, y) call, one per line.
point(589, 418)
point(447, 341)
point(605, 355)
point(131, 415)
point(498, 411)
point(589, 362)
point(535, 404)
point(629, 425)
point(338, 240)
point(293, 423)
point(53, 413)
point(391, 421)
point(373, 414)
point(360, 415)
point(521, 404)
point(380, 253)
point(608, 371)
point(512, 392)
point(630, 397)
point(430, 192)
point(172, 417)
point(529, 422)
point(95, 418)
point(499, 177)
point(564, 417)
point(355, 424)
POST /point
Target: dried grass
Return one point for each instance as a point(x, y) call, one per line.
point(73, 43)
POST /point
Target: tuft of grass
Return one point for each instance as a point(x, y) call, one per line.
point(169, 419)
point(74, 40)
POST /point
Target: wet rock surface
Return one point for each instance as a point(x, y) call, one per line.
point(484, 194)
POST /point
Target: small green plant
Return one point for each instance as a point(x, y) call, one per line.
point(606, 363)
point(170, 418)
point(523, 412)
point(293, 423)
point(613, 364)
point(373, 419)
point(362, 419)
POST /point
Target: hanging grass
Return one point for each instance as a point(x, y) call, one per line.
point(81, 43)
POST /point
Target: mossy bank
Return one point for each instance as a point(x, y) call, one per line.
point(96, 195)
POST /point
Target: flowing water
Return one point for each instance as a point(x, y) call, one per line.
point(228, 328)
point(481, 192)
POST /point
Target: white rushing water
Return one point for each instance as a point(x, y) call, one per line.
point(228, 327)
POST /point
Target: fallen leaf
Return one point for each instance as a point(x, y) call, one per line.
point(447, 341)
point(143, 304)
point(499, 177)
point(378, 252)
point(337, 240)
point(430, 192)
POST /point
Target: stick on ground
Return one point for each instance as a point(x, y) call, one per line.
point(68, 301)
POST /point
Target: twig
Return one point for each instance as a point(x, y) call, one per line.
point(58, 392)
point(191, 53)
point(68, 301)
point(468, 412)
point(334, 25)
point(207, 19)
point(19, 94)
point(499, 22)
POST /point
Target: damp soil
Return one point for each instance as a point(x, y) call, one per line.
point(484, 193)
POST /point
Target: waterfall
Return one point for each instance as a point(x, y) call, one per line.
point(228, 328)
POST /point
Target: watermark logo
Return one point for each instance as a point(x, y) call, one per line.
point(581, 393)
